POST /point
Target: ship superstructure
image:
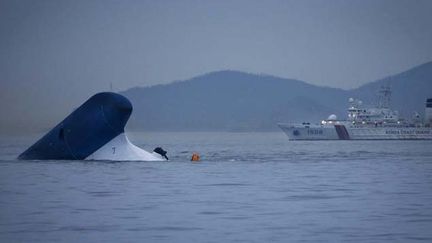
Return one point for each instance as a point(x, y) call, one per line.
point(379, 122)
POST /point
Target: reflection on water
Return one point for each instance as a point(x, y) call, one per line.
point(251, 187)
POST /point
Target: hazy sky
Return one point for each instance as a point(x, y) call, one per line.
point(72, 49)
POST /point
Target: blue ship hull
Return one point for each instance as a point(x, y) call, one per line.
point(96, 122)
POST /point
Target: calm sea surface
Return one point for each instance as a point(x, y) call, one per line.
point(249, 187)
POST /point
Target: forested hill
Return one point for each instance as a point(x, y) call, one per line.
point(238, 101)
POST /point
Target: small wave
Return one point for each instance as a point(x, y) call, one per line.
point(226, 184)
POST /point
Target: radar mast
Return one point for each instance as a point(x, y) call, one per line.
point(384, 95)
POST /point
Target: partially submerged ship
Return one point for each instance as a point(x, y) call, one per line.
point(377, 123)
point(93, 131)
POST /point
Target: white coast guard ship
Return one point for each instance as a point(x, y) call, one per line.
point(375, 123)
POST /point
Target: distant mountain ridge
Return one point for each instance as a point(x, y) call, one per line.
point(239, 101)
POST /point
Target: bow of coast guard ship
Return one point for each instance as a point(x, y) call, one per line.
point(377, 123)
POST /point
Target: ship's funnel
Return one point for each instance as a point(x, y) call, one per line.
point(428, 112)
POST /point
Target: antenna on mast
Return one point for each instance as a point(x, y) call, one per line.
point(384, 96)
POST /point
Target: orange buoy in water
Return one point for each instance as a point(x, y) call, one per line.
point(195, 157)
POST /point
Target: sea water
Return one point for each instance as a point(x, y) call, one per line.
point(248, 187)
